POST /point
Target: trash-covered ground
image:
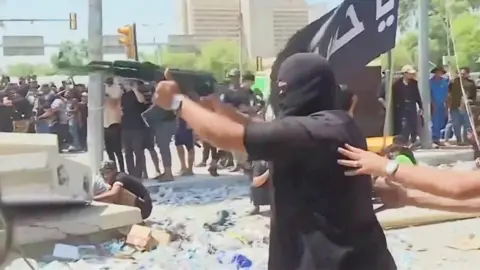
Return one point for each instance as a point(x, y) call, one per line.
point(213, 227)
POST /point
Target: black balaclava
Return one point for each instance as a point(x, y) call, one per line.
point(306, 85)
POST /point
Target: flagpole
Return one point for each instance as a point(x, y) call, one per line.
point(424, 73)
point(388, 126)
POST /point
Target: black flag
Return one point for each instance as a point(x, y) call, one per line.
point(349, 36)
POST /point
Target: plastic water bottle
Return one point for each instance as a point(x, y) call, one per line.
point(241, 262)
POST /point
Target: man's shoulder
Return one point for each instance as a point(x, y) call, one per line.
point(121, 176)
point(335, 120)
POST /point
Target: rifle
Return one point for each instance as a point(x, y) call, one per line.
point(192, 83)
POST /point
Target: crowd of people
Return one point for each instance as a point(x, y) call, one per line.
point(311, 163)
point(131, 124)
point(315, 160)
point(448, 107)
point(28, 107)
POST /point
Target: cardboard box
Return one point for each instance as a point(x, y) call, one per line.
point(144, 238)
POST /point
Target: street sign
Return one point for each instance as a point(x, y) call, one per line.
point(111, 45)
point(182, 44)
point(23, 45)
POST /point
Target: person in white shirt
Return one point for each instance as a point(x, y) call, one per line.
point(112, 119)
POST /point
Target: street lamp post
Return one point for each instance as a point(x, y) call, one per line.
point(240, 38)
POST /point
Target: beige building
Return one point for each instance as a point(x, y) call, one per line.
point(316, 11)
point(266, 25)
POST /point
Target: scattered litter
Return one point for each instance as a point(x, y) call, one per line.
point(469, 243)
point(238, 261)
point(66, 252)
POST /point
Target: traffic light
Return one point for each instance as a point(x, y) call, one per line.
point(259, 63)
point(129, 40)
point(73, 21)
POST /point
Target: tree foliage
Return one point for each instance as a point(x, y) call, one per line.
point(217, 57)
point(25, 69)
point(70, 54)
point(454, 28)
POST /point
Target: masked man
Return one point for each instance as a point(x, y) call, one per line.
point(321, 219)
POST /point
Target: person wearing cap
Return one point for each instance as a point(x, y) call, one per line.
point(457, 106)
point(439, 88)
point(124, 189)
point(405, 99)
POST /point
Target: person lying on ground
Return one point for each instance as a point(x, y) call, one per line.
point(459, 185)
point(125, 189)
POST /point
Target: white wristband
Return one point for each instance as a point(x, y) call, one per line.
point(176, 102)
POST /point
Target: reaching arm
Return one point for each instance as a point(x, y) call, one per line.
point(213, 127)
point(262, 141)
point(259, 181)
point(46, 114)
point(140, 97)
point(425, 200)
point(110, 196)
point(445, 183)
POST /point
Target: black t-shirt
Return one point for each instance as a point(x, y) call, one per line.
point(321, 219)
point(22, 108)
point(132, 112)
point(133, 185)
point(406, 96)
point(6, 114)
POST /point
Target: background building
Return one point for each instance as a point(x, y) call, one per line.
point(266, 25)
point(208, 20)
point(316, 11)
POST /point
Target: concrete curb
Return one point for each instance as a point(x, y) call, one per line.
point(436, 157)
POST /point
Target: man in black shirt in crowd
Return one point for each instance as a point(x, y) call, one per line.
point(119, 182)
point(243, 99)
point(133, 128)
point(21, 109)
point(321, 219)
point(6, 113)
point(405, 99)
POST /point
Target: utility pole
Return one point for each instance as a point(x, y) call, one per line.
point(424, 73)
point(240, 38)
point(387, 80)
point(95, 86)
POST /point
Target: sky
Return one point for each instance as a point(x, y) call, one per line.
point(155, 19)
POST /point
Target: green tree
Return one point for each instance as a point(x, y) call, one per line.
point(70, 54)
point(20, 69)
point(408, 10)
point(25, 69)
point(218, 57)
point(173, 60)
point(445, 39)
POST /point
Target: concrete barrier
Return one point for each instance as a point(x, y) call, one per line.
point(435, 157)
point(45, 225)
